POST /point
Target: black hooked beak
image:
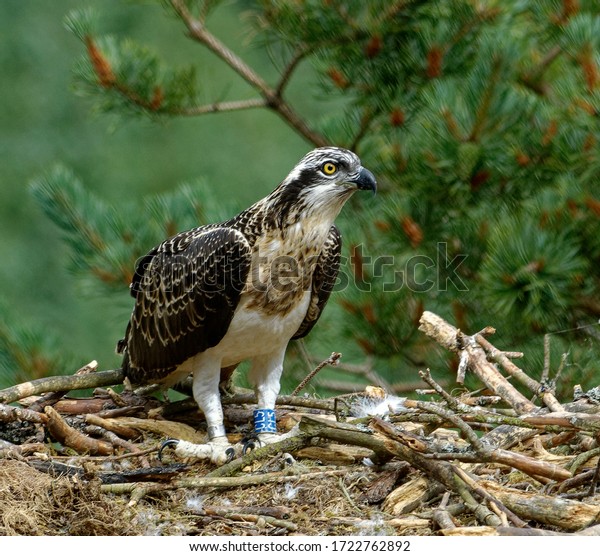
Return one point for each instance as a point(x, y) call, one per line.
point(365, 180)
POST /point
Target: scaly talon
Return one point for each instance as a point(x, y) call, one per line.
point(248, 447)
point(230, 453)
point(166, 444)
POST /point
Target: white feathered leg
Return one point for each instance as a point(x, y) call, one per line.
point(207, 372)
point(265, 375)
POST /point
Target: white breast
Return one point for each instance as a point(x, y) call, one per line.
point(253, 332)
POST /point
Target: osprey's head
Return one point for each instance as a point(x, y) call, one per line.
point(322, 182)
point(330, 169)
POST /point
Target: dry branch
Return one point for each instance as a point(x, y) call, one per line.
point(52, 397)
point(11, 413)
point(72, 438)
point(454, 340)
point(331, 360)
point(513, 531)
point(227, 482)
point(568, 515)
point(61, 384)
point(113, 425)
point(442, 516)
point(486, 495)
point(287, 445)
point(345, 433)
point(533, 385)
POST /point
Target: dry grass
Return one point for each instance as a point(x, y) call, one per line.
point(33, 503)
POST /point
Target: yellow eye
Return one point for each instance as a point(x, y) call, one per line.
point(329, 168)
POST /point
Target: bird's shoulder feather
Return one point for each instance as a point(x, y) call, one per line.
point(186, 291)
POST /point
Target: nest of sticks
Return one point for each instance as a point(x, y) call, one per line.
point(367, 463)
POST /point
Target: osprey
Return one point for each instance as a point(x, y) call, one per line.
point(214, 296)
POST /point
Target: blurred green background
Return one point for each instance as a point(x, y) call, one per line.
point(242, 155)
point(480, 141)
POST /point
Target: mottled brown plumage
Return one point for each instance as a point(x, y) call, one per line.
point(213, 296)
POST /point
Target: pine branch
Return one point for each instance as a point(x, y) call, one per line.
point(365, 124)
point(214, 107)
point(273, 100)
point(486, 102)
point(286, 74)
point(532, 78)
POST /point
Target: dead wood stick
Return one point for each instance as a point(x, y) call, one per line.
point(593, 531)
point(568, 515)
point(9, 450)
point(225, 482)
point(287, 445)
point(245, 480)
point(583, 421)
point(295, 401)
point(483, 514)
point(52, 397)
point(483, 451)
point(442, 516)
point(331, 360)
point(250, 398)
point(496, 437)
point(532, 467)
point(446, 474)
point(148, 474)
point(581, 459)
point(508, 435)
point(470, 531)
point(454, 340)
point(595, 479)
point(121, 412)
point(72, 438)
point(82, 406)
point(479, 401)
point(61, 384)
point(261, 519)
point(516, 520)
point(555, 471)
point(365, 371)
point(112, 425)
point(515, 422)
point(137, 453)
point(519, 461)
point(533, 385)
point(253, 514)
point(278, 512)
point(450, 400)
point(557, 439)
point(116, 441)
point(468, 432)
point(388, 435)
point(9, 413)
point(345, 433)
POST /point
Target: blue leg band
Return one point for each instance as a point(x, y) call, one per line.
point(264, 421)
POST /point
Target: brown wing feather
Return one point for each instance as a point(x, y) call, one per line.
point(324, 277)
point(186, 291)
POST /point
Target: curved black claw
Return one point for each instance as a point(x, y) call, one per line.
point(249, 442)
point(230, 453)
point(248, 446)
point(166, 444)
